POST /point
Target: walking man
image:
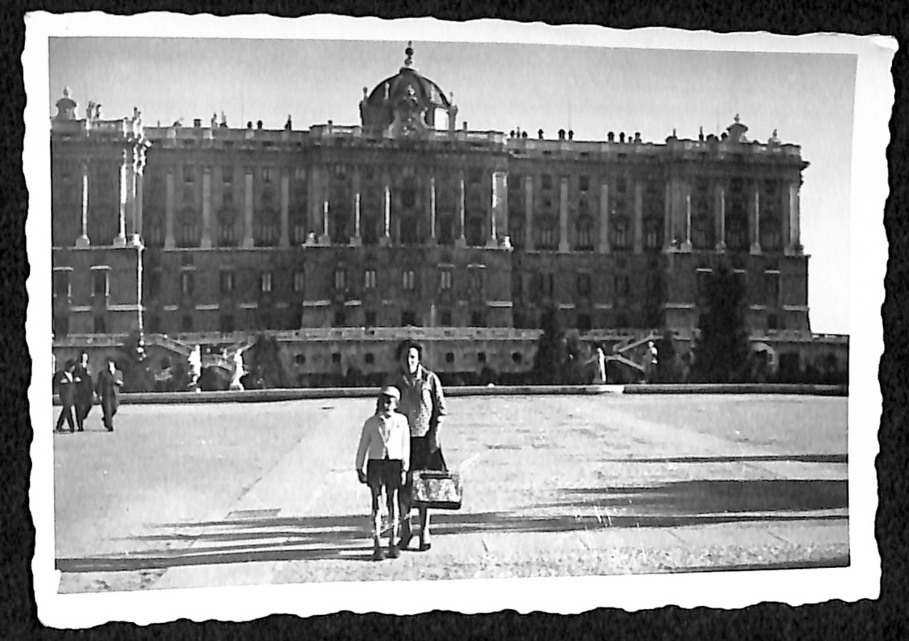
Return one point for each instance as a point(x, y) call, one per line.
point(66, 388)
point(85, 391)
point(109, 391)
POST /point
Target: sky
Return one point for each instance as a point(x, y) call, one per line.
point(807, 97)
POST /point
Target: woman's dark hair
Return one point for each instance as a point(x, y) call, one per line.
point(405, 346)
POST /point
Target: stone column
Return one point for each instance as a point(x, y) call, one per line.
point(499, 218)
point(248, 239)
point(686, 244)
point(132, 234)
point(667, 215)
point(120, 238)
point(140, 180)
point(432, 207)
point(528, 213)
point(169, 242)
point(355, 239)
point(284, 240)
point(563, 215)
point(385, 240)
point(604, 247)
point(794, 216)
point(756, 224)
point(462, 205)
point(720, 220)
point(82, 240)
point(206, 208)
point(325, 238)
point(313, 201)
point(638, 217)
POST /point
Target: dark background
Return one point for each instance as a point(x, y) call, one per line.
point(881, 619)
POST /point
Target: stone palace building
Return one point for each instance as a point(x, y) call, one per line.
point(206, 233)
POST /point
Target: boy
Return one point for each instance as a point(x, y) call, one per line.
point(385, 450)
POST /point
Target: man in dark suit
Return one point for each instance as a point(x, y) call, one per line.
point(108, 388)
point(65, 383)
point(84, 389)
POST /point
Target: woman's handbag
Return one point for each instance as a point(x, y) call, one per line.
point(439, 490)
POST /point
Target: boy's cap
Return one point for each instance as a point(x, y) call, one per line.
point(391, 391)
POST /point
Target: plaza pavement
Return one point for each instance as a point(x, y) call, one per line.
point(244, 494)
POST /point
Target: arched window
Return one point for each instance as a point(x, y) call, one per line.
point(585, 233)
point(547, 233)
point(266, 229)
point(227, 228)
point(621, 238)
point(188, 234)
point(474, 231)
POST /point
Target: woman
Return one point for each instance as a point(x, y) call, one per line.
point(423, 403)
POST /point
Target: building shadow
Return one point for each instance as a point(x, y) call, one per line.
point(759, 458)
point(347, 537)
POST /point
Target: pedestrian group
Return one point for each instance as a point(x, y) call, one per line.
point(77, 393)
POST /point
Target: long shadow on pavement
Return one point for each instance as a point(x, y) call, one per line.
point(346, 537)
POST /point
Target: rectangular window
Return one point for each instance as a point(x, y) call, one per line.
point(299, 281)
point(187, 283)
point(340, 279)
point(226, 324)
point(370, 318)
point(62, 285)
point(446, 319)
point(340, 319)
point(154, 284)
point(266, 174)
point(227, 174)
point(703, 278)
point(621, 185)
point(186, 324)
point(227, 281)
point(546, 182)
point(477, 319)
point(772, 287)
point(189, 173)
point(445, 279)
point(265, 280)
point(100, 325)
point(584, 183)
point(369, 279)
point(584, 284)
point(408, 279)
point(100, 283)
point(408, 318)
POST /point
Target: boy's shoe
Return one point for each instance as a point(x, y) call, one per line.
point(393, 552)
point(377, 554)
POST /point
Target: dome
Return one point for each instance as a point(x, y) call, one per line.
point(406, 104)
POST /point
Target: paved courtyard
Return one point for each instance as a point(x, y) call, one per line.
point(256, 493)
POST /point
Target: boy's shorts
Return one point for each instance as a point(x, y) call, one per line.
point(384, 472)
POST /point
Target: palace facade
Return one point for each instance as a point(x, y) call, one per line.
point(408, 219)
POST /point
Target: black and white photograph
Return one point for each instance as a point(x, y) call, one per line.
point(486, 315)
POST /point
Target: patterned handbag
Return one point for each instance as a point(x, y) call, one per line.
point(440, 490)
